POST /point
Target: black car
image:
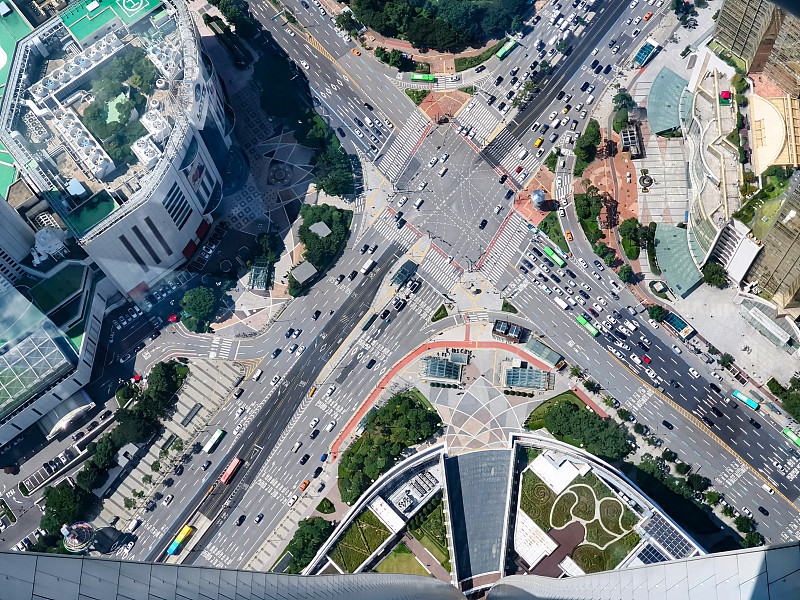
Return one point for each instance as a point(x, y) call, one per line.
point(668, 425)
point(304, 3)
point(92, 425)
point(352, 275)
point(105, 415)
point(364, 249)
point(276, 352)
point(154, 335)
point(499, 80)
point(503, 178)
point(570, 273)
point(585, 84)
point(77, 435)
point(316, 315)
point(509, 193)
point(763, 511)
point(716, 411)
point(583, 294)
point(340, 279)
point(289, 333)
point(491, 100)
point(368, 106)
point(510, 95)
point(371, 363)
point(598, 69)
point(178, 470)
point(483, 224)
point(47, 467)
point(614, 311)
point(340, 131)
point(534, 64)
point(715, 387)
point(555, 278)
point(480, 68)
point(240, 520)
point(585, 316)
point(385, 313)
point(314, 434)
point(613, 295)
point(707, 421)
point(595, 62)
point(674, 383)
point(537, 252)
point(238, 392)
point(304, 459)
point(643, 346)
point(513, 80)
point(755, 423)
point(501, 106)
point(317, 472)
point(560, 95)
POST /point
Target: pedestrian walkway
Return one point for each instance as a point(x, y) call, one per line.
point(481, 118)
point(386, 225)
point(404, 143)
point(506, 150)
point(221, 348)
point(427, 559)
point(439, 270)
point(508, 240)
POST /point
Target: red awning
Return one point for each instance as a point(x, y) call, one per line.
point(203, 229)
point(189, 250)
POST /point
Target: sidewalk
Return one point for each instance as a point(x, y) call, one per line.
point(426, 558)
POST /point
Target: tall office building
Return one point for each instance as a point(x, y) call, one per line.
point(783, 63)
point(115, 116)
point(743, 25)
point(16, 241)
point(756, 573)
point(776, 269)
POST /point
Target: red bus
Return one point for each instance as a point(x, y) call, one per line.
point(231, 470)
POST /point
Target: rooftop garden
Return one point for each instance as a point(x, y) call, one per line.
point(52, 291)
point(119, 87)
point(361, 539)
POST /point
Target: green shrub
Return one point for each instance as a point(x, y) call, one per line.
point(440, 313)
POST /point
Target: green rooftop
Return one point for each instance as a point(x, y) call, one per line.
point(54, 290)
point(664, 101)
point(675, 260)
point(83, 23)
point(91, 212)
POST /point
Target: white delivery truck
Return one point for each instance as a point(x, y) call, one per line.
point(522, 154)
point(560, 302)
point(367, 266)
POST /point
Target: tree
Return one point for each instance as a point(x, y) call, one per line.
point(725, 361)
point(656, 312)
point(63, 504)
point(623, 100)
point(147, 479)
point(609, 259)
point(682, 468)
point(638, 428)
point(199, 303)
point(309, 537)
point(381, 54)
point(583, 207)
point(576, 371)
point(698, 483)
point(544, 66)
point(105, 452)
point(626, 274)
point(752, 539)
point(129, 503)
point(669, 455)
point(714, 274)
point(713, 497)
point(396, 59)
point(623, 414)
point(90, 477)
point(325, 507)
point(562, 46)
point(178, 445)
point(603, 438)
point(592, 386)
point(601, 249)
point(744, 524)
point(629, 228)
point(155, 466)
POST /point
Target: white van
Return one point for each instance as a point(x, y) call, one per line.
point(257, 375)
point(368, 121)
point(560, 303)
point(418, 203)
point(296, 446)
point(522, 154)
point(571, 301)
point(590, 99)
point(132, 526)
point(442, 171)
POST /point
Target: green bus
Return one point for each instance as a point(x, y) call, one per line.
point(795, 439)
point(507, 47)
point(587, 326)
point(553, 256)
point(422, 77)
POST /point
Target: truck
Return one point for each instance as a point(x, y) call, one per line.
point(553, 40)
point(367, 266)
point(631, 325)
point(560, 303)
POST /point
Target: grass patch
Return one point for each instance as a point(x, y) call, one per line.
point(538, 412)
point(591, 230)
point(326, 507)
point(594, 560)
point(417, 96)
point(23, 489)
point(766, 216)
point(53, 291)
point(470, 89)
point(467, 62)
point(361, 539)
point(596, 533)
point(610, 512)
point(440, 313)
point(401, 560)
point(552, 228)
point(631, 248)
point(422, 399)
point(601, 490)
point(536, 499)
point(5, 510)
point(584, 509)
point(562, 510)
point(508, 307)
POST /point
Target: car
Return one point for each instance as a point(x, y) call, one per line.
point(593, 312)
point(353, 275)
point(501, 106)
point(714, 387)
point(433, 161)
point(755, 423)
point(483, 224)
point(421, 186)
point(628, 21)
point(357, 53)
point(239, 412)
point(597, 307)
point(668, 425)
point(778, 466)
point(330, 391)
point(293, 499)
point(716, 411)
point(240, 520)
point(535, 126)
point(306, 66)
point(694, 373)
point(205, 465)
point(480, 68)
point(258, 518)
point(304, 459)
point(275, 379)
point(637, 20)
point(583, 294)
point(167, 500)
point(653, 323)
point(276, 352)
point(635, 32)
point(304, 485)
point(646, 359)
point(746, 511)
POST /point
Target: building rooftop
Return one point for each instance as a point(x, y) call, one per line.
point(87, 16)
point(664, 101)
point(675, 260)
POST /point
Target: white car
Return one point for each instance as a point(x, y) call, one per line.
point(498, 208)
point(597, 307)
point(239, 412)
point(571, 283)
point(433, 161)
point(586, 287)
point(636, 359)
point(358, 133)
point(553, 115)
point(289, 31)
point(694, 373)
point(291, 348)
point(330, 426)
point(716, 375)
point(421, 186)
point(584, 264)
point(544, 268)
point(675, 349)
point(653, 323)
point(403, 200)
point(388, 123)
point(596, 276)
point(306, 66)
point(330, 390)
point(637, 20)
point(558, 291)
point(238, 428)
point(611, 319)
point(445, 156)
point(581, 301)
point(275, 379)
point(615, 50)
point(128, 547)
point(628, 22)
point(314, 423)
point(292, 500)
point(300, 350)
point(167, 500)
point(635, 33)
point(602, 301)
point(596, 50)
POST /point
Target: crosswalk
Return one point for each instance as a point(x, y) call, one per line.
point(397, 154)
point(483, 119)
point(220, 348)
point(439, 271)
point(505, 149)
point(506, 243)
point(387, 226)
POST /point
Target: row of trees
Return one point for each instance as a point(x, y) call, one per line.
point(307, 540)
point(444, 25)
point(789, 397)
point(233, 14)
point(586, 147)
point(65, 504)
point(401, 423)
point(606, 439)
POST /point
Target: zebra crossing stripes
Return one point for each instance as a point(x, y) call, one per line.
point(480, 117)
point(506, 243)
point(439, 269)
point(404, 143)
point(387, 226)
point(505, 149)
point(220, 348)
